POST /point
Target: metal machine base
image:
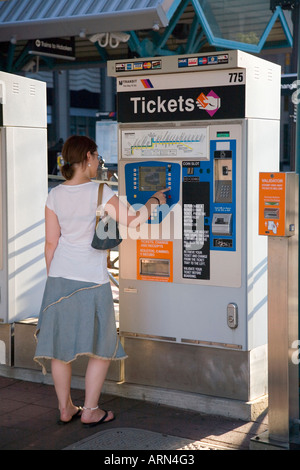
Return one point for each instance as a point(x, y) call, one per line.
point(264, 442)
point(212, 371)
point(239, 376)
point(179, 391)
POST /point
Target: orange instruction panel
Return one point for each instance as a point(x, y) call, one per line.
point(155, 260)
point(272, 201)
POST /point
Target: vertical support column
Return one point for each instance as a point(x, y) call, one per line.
point(279, 215)
point(296, 47)
point(1, 205)
point(282, 333)
point(107, 96)
point(296, 14)
point(61, 114)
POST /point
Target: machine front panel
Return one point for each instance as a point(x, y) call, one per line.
point(201, 217)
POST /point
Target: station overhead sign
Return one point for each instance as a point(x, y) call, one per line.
point(59, 48)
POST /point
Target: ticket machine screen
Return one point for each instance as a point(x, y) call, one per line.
point(152, 178)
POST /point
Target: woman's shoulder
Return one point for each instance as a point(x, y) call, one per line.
point(56, 188)
point(53, 191)
point(108, 193)
point(107, 187)
point(90, 185)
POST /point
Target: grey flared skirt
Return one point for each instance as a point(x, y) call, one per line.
point(76, 319)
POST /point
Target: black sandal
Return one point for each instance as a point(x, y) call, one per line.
point(102, 420)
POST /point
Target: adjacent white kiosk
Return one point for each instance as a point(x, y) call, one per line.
point(23, 192)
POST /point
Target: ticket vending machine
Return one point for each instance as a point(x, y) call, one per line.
point(193, 280)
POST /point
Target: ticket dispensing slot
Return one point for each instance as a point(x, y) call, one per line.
point(154, 267)
point(221, 224)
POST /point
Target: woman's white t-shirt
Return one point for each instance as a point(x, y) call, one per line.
point(75, 207)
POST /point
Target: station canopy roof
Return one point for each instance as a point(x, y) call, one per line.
point(100, 30)
point(29, 19)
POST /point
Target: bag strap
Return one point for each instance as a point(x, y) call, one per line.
point(100, 192)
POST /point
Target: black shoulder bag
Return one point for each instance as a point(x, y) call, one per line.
point(106, 234)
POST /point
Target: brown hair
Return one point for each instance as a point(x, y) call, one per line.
point(74, 151)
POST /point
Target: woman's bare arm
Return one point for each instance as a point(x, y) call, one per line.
point(52, 236)
point(127, 216)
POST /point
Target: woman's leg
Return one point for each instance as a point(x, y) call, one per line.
point(95, 375)
point(61, 373)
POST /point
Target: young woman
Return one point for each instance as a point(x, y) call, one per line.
point(77, 312)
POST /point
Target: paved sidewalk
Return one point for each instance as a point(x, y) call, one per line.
point(28, 421)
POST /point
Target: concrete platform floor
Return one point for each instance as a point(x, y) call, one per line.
point(28, 421)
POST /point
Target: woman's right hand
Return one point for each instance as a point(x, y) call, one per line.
point(161, 196)
point(128, 217)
